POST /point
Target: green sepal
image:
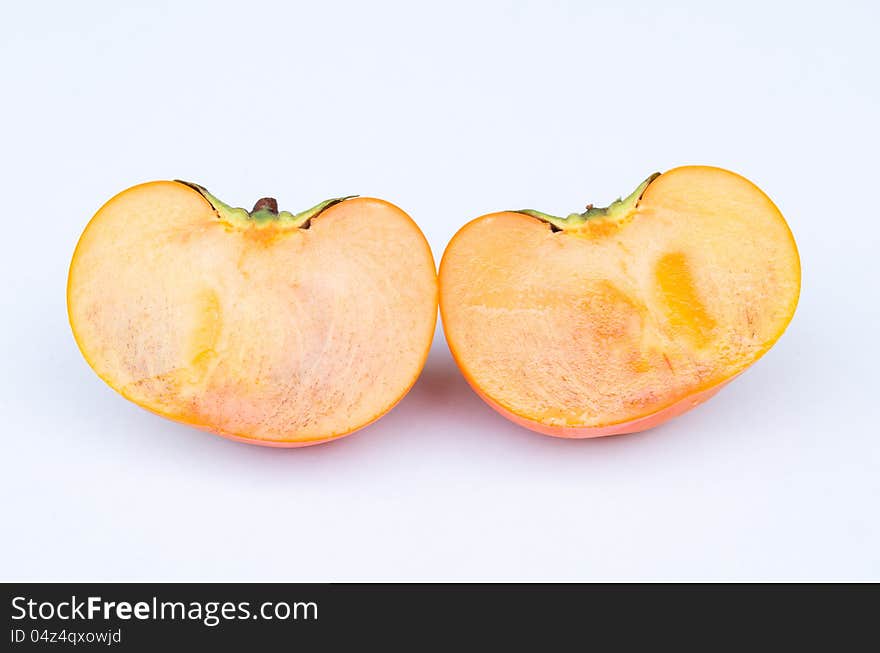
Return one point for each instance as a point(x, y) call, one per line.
point(264, 217)
point(617, 210)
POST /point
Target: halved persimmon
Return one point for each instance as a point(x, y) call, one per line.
point(616, 319)
point(267, 327)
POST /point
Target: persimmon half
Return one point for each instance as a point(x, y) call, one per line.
point(274, 328)
point(617, 319)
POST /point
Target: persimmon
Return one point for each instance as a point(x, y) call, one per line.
point(269, 327)
point(616, 319)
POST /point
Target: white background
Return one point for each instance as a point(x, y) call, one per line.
point(450, 111)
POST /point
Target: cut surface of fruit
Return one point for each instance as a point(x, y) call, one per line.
point(614, 320)
point(268, 327)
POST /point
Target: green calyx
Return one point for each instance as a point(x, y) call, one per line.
point(265, 211)
point(618, 210)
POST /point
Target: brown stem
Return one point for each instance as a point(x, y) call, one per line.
point(266, 204)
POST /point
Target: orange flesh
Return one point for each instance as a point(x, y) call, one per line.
point(275, 335)
point(622, 324)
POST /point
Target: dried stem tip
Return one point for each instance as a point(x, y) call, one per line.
point(266, 204)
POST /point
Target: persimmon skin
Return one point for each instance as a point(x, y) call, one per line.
point(281, 262)
point(271, 444)
point(637, 425)
point(483, 302)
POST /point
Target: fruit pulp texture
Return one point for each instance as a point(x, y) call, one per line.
point(601, 329)
point(275, 335)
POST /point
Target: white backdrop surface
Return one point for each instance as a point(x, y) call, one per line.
point(450, 110)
